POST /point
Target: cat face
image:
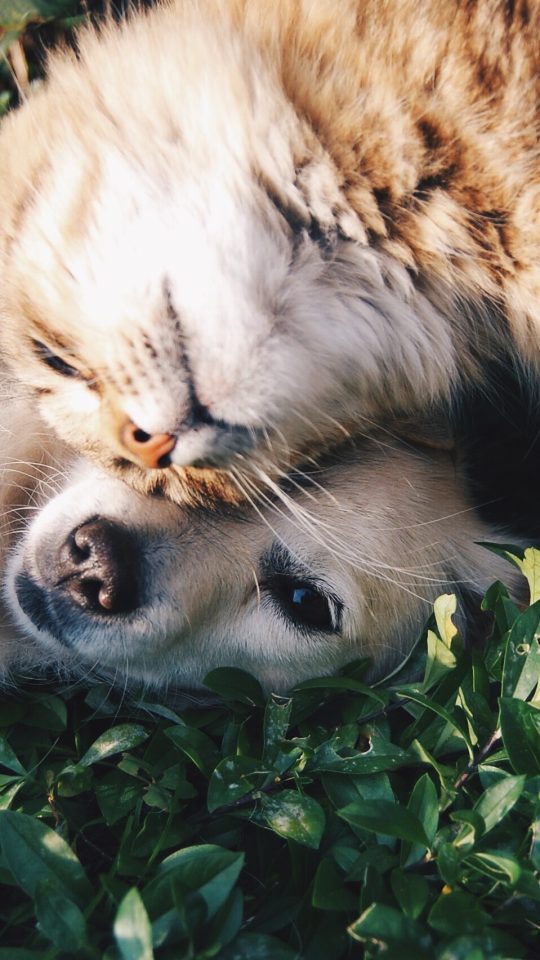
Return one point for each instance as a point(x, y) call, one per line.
point(164, 338)
point(218, 265)
point(106, 581)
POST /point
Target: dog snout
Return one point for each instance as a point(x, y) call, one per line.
point(97, 567)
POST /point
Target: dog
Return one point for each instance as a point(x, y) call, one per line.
point(340, 563)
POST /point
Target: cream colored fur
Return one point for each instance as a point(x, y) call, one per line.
point(33, 465)
point(381, 531)
point(257, 226)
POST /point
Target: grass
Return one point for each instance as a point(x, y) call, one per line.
point(343, 821)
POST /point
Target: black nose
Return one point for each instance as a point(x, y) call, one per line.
point(97, 567)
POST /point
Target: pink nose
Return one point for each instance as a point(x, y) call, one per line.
point(151, 451)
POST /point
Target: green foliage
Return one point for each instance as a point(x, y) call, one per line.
point(343, 821)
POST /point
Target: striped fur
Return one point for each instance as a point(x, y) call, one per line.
point(257, 226)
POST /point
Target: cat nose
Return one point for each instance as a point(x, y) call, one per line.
point(97, 568)
point(149, 450)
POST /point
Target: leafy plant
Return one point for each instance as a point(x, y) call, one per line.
point(343, 821)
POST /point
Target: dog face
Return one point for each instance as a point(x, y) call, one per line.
point(342, 564)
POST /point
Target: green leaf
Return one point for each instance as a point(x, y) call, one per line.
point(455, 724)
point(515, 555)
point(521, 669)
point(444, 609)
point(372, 889)
point(410, 891)
point(342, 790)
point(124, 737)
point(440, 660)
point(411, 666)
point(276, 722)
point(520, 729)
point(496, 865)
point(382, 756)
point(529, 565)
point(343, 683)
point(59, 918)
point(330, 891)
point(480, 718)
point(8, 758)
point(48, 713)
point(449, 859)
point(490, 944)
point(258, 946)
point(423, 803)
point(445, 773)
point(196, 745)
point(234, 684)
point(233, 779)
point(498, 602)
point(390, 819)
point(457, 911)
point(497, 800)
point(208, 869)
point(117, 795)
point(529, 886)
point(382, 925)
point(226, 924)
point(375, 860)
point(34, 853)
point(132, 928)
point(73, 779)
point(294, 816)
point(10, 789)
point(472, 827)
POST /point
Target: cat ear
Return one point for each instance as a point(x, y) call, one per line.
point(432, 430)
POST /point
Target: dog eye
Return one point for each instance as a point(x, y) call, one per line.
point(54, 362)
point(306, 605)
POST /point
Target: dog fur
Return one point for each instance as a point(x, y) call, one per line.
point(107, 582)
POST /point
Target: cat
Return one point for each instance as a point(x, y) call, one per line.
point(231, 233)
point(105, 582)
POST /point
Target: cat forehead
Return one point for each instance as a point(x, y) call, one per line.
point(206, 145)
point(203, 242)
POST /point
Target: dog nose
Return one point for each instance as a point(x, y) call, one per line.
point(149, 450)
point(97, 568)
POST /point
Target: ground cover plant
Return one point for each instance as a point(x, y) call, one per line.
point(343, 821)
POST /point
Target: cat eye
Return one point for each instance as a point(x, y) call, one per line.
point(53, 361)
point(305, 604)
